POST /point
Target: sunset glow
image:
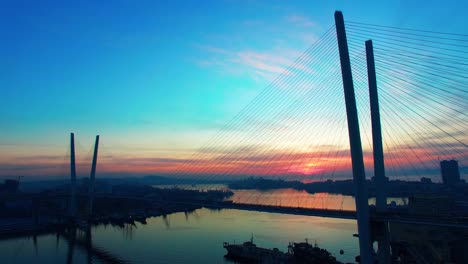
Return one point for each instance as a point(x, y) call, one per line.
point(174, 95)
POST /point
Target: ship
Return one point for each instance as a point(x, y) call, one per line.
point(302, 252)
point(248, 252)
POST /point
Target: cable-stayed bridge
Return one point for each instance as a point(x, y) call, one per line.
point(301, 126)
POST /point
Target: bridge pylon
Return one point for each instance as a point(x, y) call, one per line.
point(357, 160)
point(92, 178)
point(72, 202)
point(383, 239)
point(72, 206)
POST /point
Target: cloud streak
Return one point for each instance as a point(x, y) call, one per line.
point(288, 40)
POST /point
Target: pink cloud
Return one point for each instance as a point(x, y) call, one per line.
point(289, 38)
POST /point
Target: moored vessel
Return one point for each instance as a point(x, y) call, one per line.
point(248, 252)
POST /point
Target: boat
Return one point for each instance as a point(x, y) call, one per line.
point(248, 252)
point(307, 253)
point(302, 252)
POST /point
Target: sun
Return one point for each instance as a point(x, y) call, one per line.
point(311, 168)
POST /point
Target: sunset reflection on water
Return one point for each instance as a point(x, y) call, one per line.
point(302, 199)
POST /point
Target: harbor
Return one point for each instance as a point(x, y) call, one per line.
point(182, 237)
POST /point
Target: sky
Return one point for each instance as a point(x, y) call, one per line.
point(156, 79)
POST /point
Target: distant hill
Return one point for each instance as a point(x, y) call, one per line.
point(396, 188)
point(41, 185)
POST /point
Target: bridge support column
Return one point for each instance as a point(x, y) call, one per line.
point(92, 178)
point(72, 205)
point(383, 254)
point(359, 178)
point(380, 233)
point(89, 240)
point(379, 166)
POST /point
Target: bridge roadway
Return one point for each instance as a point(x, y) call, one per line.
point(342, 214)
point(393, 216)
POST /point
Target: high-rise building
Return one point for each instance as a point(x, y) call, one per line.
point(450, 172)
point(10, 186)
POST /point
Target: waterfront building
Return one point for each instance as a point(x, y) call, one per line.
point(450, 172)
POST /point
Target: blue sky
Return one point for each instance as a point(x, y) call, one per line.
point(160, 77)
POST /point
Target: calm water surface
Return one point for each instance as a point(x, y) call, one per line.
point(197, 237)
point(191, 238)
